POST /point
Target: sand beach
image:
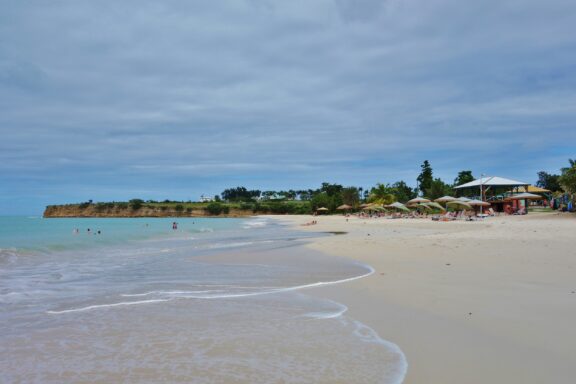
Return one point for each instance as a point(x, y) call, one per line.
point(490, 301)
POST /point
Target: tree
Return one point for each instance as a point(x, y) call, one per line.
point(350, 196)
point(425, 178)
point(240, 194)
point(382, 194)
point(568, 178)
point(548, 181)
point(403, 192)
point(325, 200)
point(291, 194)
point(331, 189)
point(136, 204)
point(463, 178)
point(438, 188)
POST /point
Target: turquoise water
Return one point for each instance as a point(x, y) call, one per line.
point(217, 300)
point(36, 233)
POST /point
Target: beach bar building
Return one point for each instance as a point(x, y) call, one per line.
point(499, 192)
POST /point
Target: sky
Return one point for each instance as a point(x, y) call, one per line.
point(113, 100)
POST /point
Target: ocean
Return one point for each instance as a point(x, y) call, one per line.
point(214, 301)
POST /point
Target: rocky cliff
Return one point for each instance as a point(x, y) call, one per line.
point(93, 210)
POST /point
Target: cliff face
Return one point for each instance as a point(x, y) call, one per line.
point(94, 211)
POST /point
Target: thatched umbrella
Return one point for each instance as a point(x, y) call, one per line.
point(421, 205)
point(418, 200)
point(445, 199)
point(372, 207)
point(479, 203)
point(399, 206)
point(435, 205)
point(458, 203)
point(526, 196)
point(344, 207)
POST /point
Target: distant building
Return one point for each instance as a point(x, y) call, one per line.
point(275, 196)
point(206, 199)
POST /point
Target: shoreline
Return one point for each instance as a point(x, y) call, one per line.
point(476, 302)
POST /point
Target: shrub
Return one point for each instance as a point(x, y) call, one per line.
point(136, 204)
point(216, 209)
point(100, 207)
point(246, 206)
point(256, 207)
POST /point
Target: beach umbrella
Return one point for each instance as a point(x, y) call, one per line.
point(418, 200)
point(526, 196)
point(344, 207)
point(479, 203)
point(435, 205)
point(422, 205)
point(322, 209)
point(445, 199)
point(461, 204)
point(465, 199)
point(399, 206)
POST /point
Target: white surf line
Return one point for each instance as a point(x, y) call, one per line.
point(375, 337)
point(191, 294)
point(342, 309)
point(105, 306)
point(222, 296)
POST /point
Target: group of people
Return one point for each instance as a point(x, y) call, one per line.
point(76, 231)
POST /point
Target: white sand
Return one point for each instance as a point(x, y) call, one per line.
point(467, 302)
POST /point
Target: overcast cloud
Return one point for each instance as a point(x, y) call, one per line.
point(110, 100)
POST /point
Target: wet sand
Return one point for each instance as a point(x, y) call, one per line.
point(492, 301)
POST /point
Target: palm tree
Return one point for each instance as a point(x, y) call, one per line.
point(381, 194)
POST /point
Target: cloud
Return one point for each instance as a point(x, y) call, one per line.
point(127, 95)
point(359, 10)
